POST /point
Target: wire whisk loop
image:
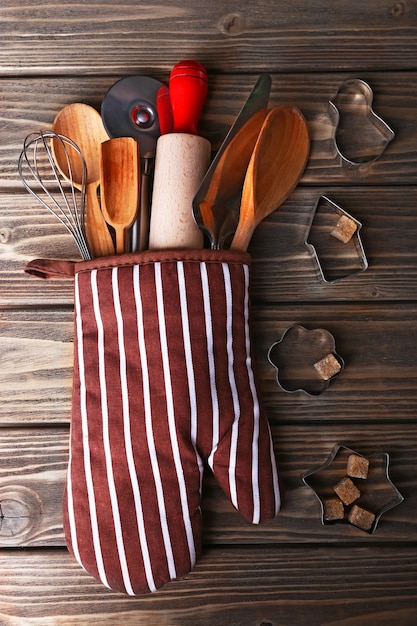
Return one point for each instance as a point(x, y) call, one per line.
point(51, 186)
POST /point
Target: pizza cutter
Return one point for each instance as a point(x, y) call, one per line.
point(129, 110)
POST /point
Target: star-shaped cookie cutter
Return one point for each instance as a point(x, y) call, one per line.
point(378, 494)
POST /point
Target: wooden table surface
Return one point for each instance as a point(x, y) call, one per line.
point(292, 570)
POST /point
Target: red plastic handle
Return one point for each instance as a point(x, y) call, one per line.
point(188, 85)
point(164, 109)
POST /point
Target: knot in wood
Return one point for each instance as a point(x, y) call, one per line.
point(398, 9)
point(232, 24)
point(20, 510)
point(5, 234)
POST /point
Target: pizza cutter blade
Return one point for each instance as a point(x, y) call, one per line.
point(129, 110)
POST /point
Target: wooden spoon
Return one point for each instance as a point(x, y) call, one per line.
point(119, 167)
point(227, 181)
point(276, 165)
point(83, 124)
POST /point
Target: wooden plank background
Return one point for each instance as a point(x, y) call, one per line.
point(290, 571)
point(249, 36)
point(35, 100)
point(36, 481)
point(284, 269)
point(243, 586)
point(379, 379)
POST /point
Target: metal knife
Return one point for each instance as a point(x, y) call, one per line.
point(216, 203)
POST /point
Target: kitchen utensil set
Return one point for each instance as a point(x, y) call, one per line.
point(146, 136)
point(258, 165)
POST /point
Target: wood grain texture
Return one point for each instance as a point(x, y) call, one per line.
point(394, 100)
point(32, 481)
point(36, 381)
point(292, 570)
point(284, 268)
point(246, 587)
point(378, 383)
point(67, 39)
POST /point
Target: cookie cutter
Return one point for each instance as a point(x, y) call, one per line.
point(353, 119)
point(378, 494)
point(305, 360)
point(337, 248)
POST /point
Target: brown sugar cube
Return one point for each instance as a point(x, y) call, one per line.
point(361, 517)
point(347, 491)
point(344, 229)
point(333, 509)
point(357, 466)
point(328, 366)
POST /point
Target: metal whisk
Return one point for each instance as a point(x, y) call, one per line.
point(50, 186)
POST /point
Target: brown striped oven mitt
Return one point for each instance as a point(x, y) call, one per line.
point(163, 385)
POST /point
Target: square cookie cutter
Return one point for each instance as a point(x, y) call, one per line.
point(334, 240)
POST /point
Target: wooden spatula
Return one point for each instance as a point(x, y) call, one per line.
point(120, 186)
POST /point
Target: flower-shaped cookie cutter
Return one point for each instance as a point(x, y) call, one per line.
point(335, 242)
point(360, 135)
point(305, 360)
point(375, 493)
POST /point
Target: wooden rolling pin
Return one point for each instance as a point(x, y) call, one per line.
point(182, 159)
point(180, 164)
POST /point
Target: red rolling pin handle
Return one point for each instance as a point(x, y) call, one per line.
point(188, 84)
point(164, 109)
